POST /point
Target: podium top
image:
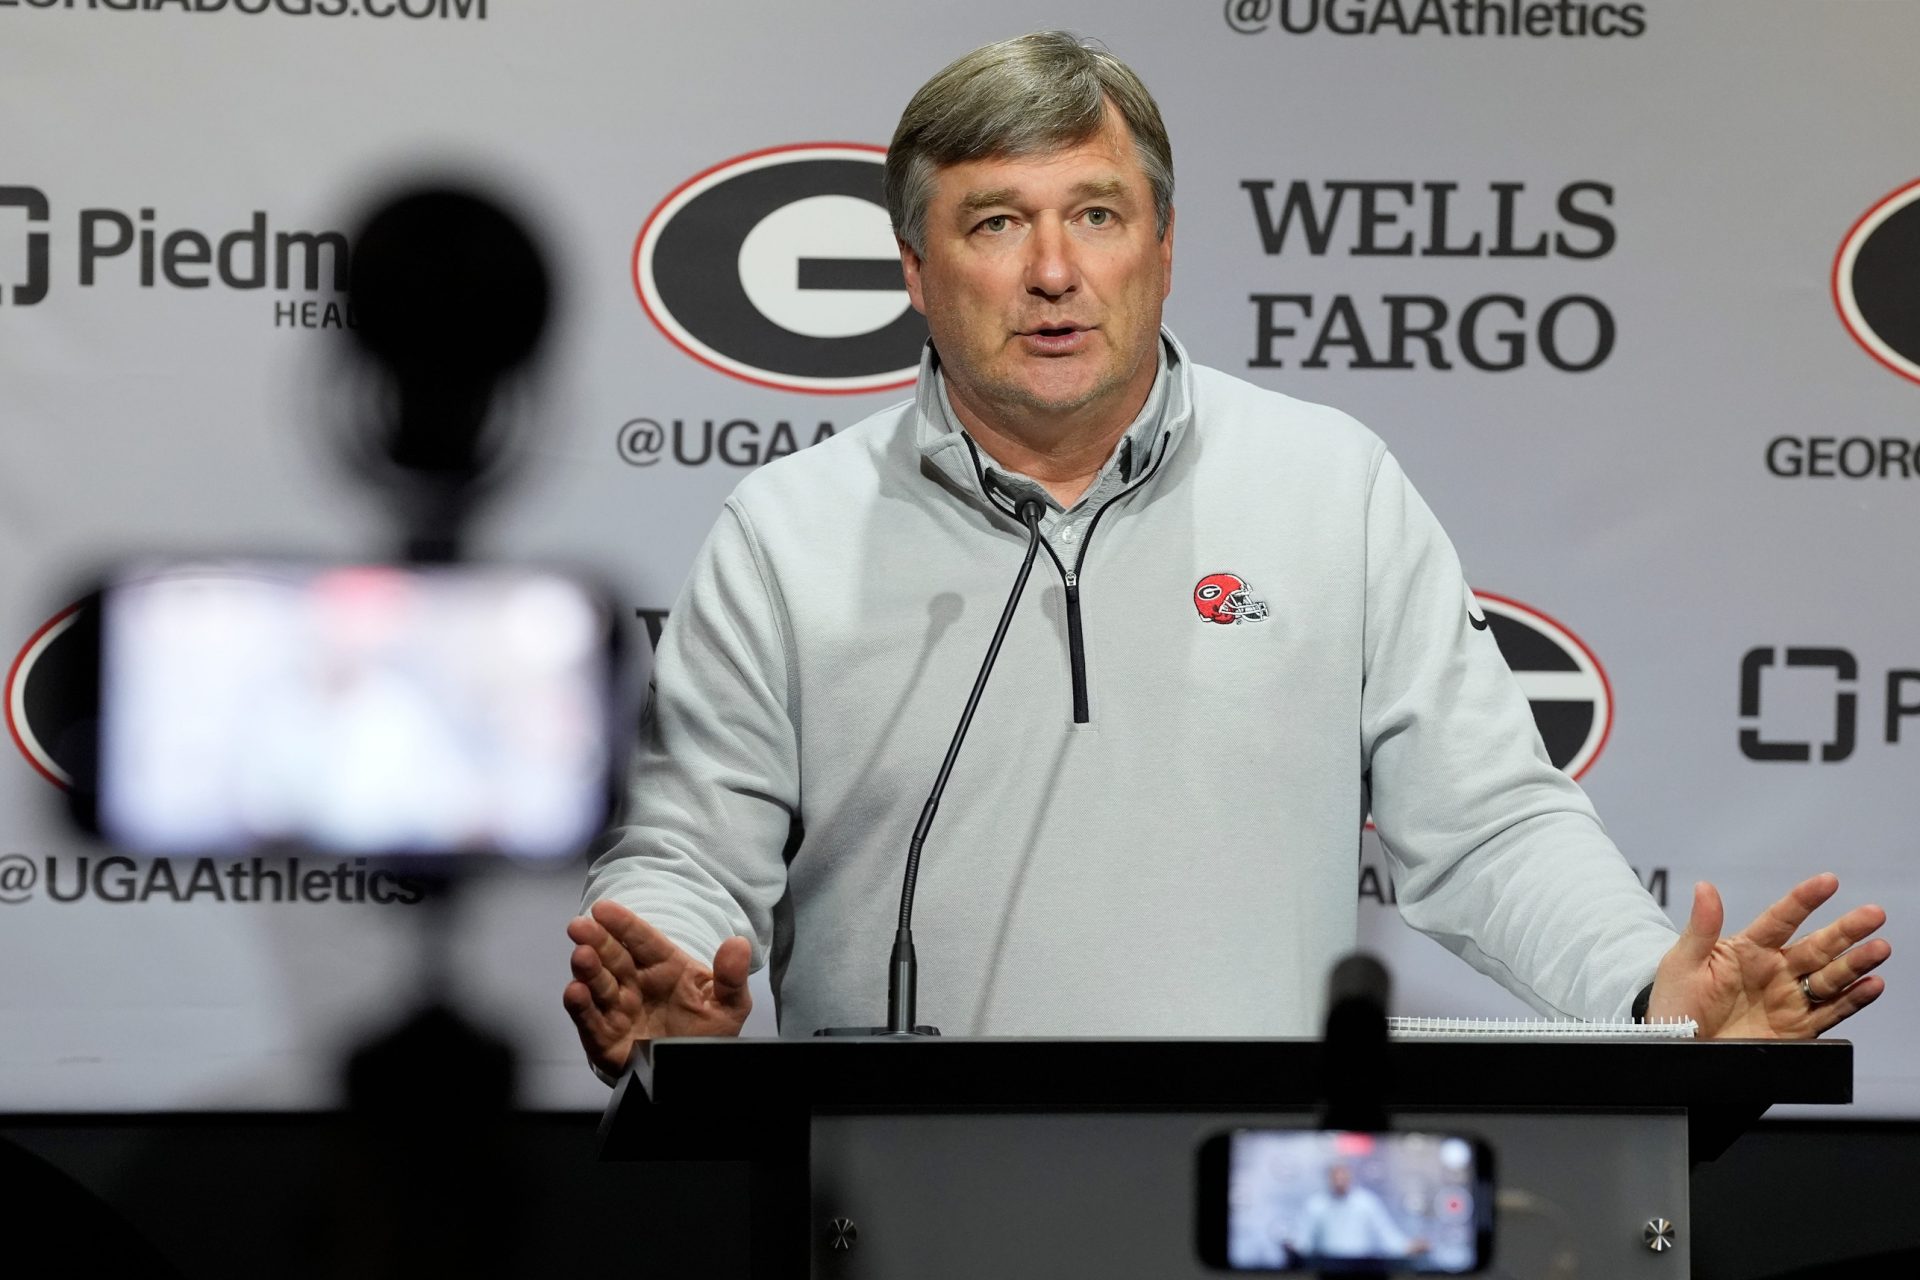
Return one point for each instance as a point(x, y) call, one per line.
point(758, 1084)
point(939, 1074)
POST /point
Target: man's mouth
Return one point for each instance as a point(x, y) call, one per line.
point(1054, 340)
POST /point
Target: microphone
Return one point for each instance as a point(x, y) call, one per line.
point(1353, 1061)
point(903, 966)
point(451, 296)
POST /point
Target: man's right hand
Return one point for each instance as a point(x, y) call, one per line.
point(630, 985)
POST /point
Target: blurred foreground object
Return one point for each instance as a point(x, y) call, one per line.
point(416, 711)
point(451, 298)
point(356, 710)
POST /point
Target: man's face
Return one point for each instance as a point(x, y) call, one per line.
point(1339, 1179)
point(1042, 281)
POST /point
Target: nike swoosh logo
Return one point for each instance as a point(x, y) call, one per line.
point(1479, 623)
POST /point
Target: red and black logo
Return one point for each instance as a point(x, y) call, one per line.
point(779, 267)
point(52, 694)
point(1226, 598)
point(1876, 278)
point(1565, 685)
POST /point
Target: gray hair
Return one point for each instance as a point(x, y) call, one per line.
point(1029, 95)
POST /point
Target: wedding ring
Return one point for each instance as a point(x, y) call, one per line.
point(1806, 989)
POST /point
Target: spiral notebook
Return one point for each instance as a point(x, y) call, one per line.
point(1538, 1029)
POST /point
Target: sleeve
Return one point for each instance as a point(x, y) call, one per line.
point(1495, 853)
point(1313, 1225)
point(1388, 1239)
point(715, 786)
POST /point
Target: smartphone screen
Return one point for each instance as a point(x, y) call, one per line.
point(1331, 1200)
point(353, 709)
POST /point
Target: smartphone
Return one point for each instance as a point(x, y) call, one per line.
point(1329, 1200)
point(370, 709)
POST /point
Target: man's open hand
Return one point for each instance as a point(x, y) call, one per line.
point(630, 984)
point(1748, 986)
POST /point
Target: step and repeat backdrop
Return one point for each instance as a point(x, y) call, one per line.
point(1632, 288)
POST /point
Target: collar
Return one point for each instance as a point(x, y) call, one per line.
point(1154, 434)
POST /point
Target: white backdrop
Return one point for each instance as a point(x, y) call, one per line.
point(1667, 420)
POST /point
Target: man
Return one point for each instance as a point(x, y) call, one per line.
point(1247, 633)
point(1349, 1222)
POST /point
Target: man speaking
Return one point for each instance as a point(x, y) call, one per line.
point(1246, 633)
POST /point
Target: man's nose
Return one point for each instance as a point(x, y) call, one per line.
point(1051, 269)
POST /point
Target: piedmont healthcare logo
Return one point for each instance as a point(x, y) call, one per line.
point(779, 268)
point(1876, 277)
point(119, 880)
point(32, 202)
point(115, 250)
point(1813, 711)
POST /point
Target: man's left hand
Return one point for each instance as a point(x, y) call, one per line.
point(1749, 986)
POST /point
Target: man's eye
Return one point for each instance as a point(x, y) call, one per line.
point(1099, 217)
point(996, 224)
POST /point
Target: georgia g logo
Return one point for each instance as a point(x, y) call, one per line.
point(1226, 598)
point(779, 268)
point(1875, 274)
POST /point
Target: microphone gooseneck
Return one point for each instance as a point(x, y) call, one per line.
point(902, 972)
point(903, 967)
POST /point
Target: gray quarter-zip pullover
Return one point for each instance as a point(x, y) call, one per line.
point(1153, 831)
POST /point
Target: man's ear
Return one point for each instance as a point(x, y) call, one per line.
point(1166, 256)
point(910, 268)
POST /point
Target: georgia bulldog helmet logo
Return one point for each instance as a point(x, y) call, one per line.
point(1226, 598)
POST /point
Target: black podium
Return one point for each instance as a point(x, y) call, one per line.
point(1010, 1158)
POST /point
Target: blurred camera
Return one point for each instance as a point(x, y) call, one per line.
point(401, 711)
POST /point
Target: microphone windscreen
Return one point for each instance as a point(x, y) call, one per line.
point(445, 283)
point(1360, 979)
